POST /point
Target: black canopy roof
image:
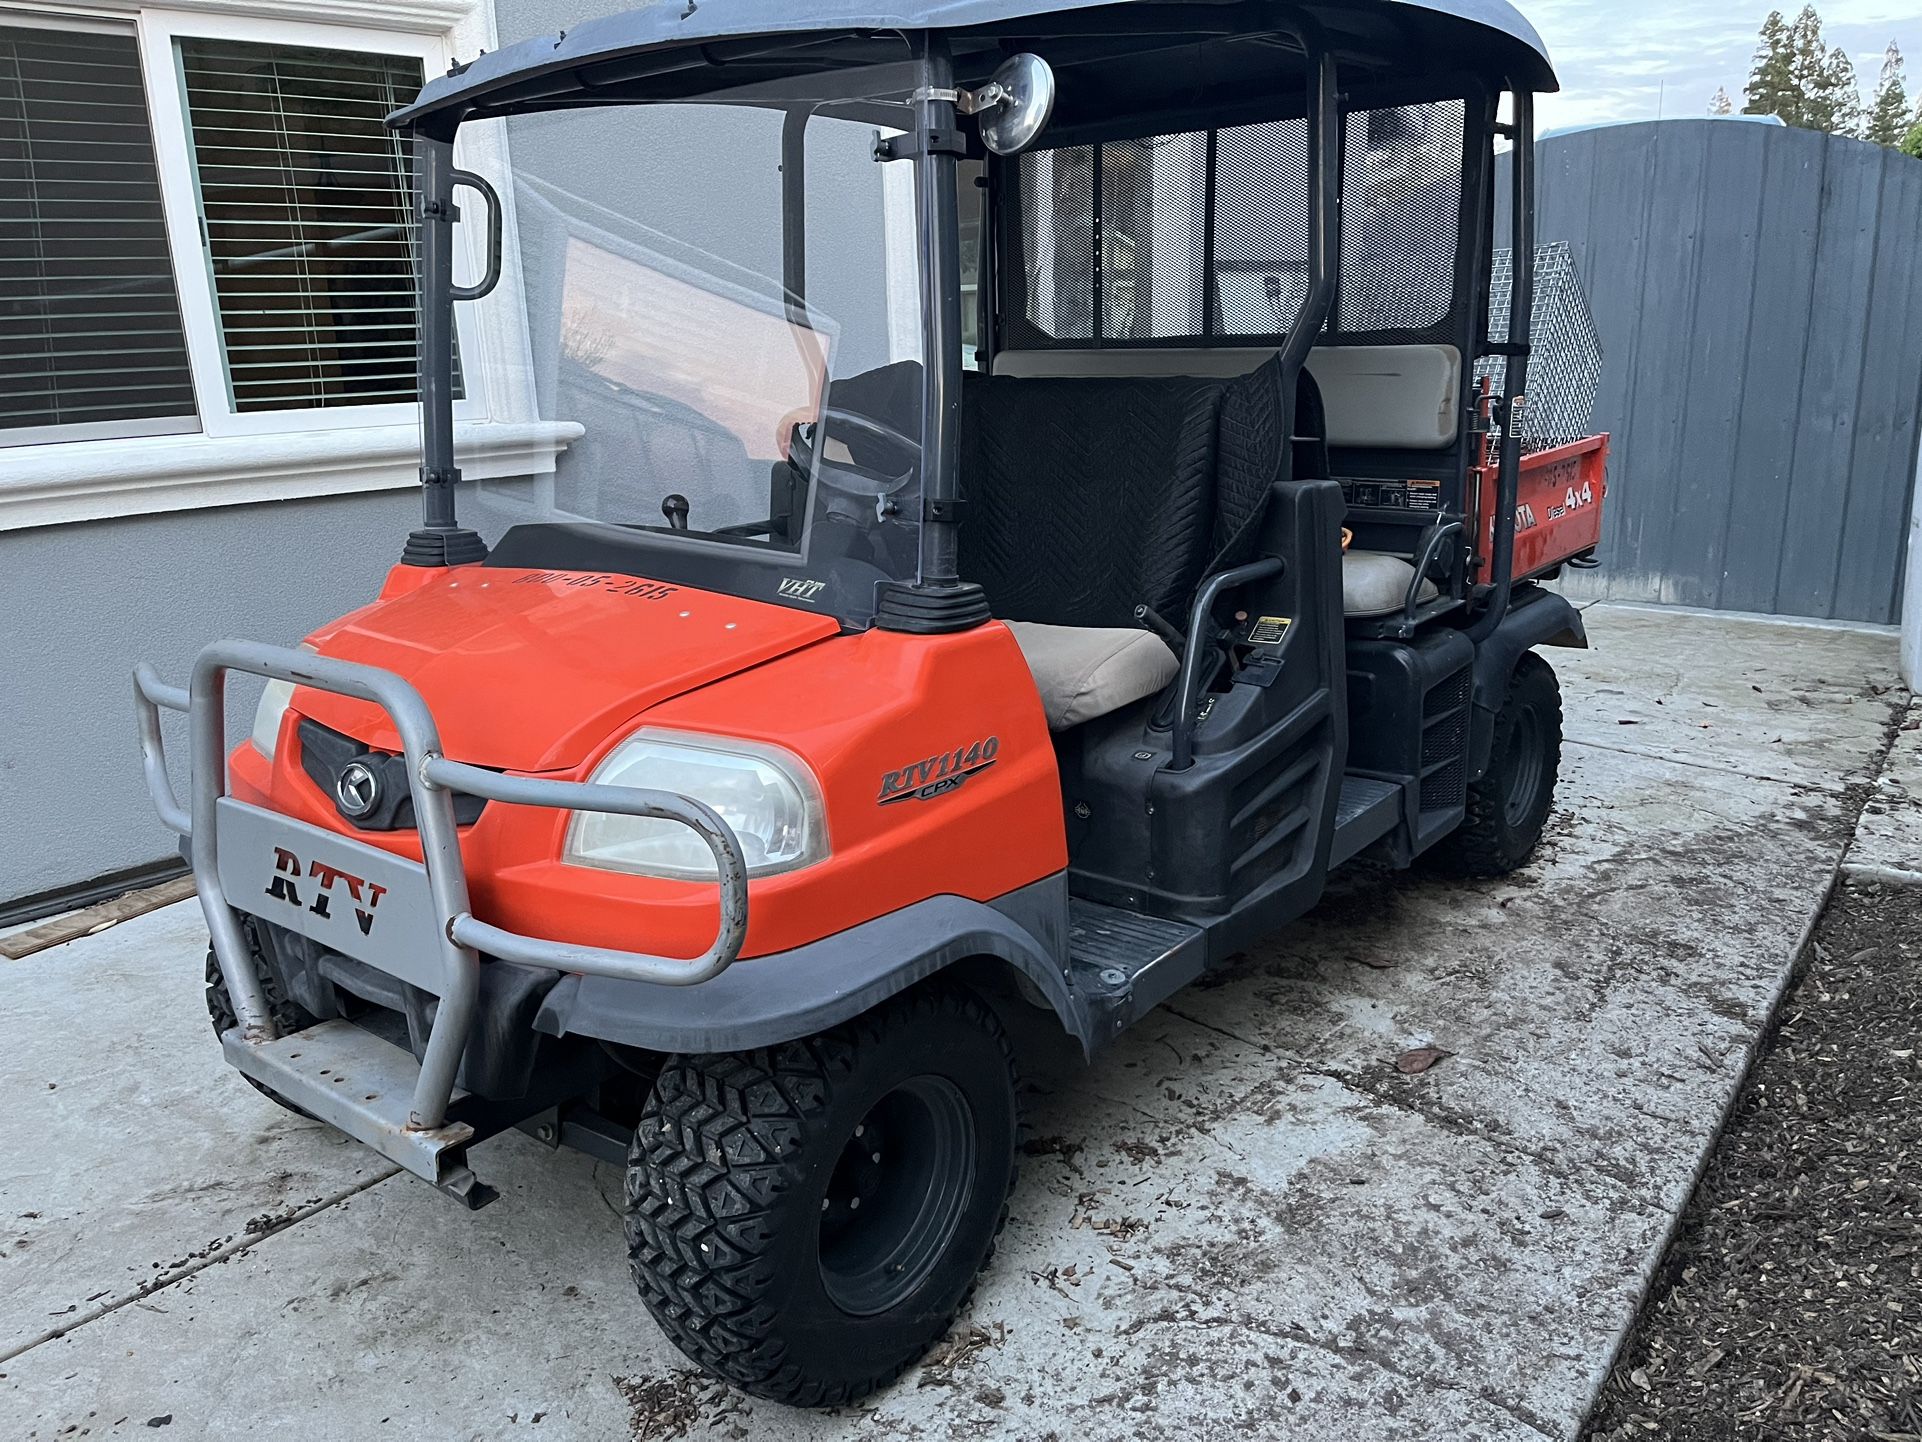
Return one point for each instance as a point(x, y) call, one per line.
point(666, 49)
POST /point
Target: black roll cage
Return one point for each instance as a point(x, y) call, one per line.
point(938, 599)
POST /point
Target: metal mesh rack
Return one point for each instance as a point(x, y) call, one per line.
point(1565, 360)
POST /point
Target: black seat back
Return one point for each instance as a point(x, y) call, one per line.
point(1088, 496)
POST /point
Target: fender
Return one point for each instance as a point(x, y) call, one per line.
point(1535, 618)
point(790, 994)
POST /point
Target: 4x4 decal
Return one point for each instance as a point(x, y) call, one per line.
point(938, 774)
point(287, 872)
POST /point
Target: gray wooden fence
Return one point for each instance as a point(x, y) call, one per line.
point(1758, 292)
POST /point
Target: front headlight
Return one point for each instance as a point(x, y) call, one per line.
point(766, 795)
point(273, 705)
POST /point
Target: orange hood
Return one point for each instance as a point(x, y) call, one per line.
point(534, 670)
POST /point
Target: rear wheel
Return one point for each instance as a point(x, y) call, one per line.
point(1509, 805)
point(289, 1016)
point(804, 1221)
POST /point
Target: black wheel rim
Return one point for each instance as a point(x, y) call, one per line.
point(897, 1195)
point(1524, 765)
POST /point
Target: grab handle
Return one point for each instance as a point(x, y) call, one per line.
point(491, 197)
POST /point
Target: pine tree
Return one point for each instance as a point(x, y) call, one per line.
point(1719, 103)
point(1770, 82)
point(1888, 112)
point(1809, 77)
point(1799, 79)
point(1839, 108)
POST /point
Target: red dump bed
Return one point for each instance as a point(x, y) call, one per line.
point(1558, 507)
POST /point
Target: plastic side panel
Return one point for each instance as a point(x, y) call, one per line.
point(936, 770)
point(1402, 397)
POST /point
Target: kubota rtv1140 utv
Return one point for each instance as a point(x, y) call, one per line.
point(1030, 518)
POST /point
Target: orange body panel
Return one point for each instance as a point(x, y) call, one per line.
point(1558, 505)
point(530, 670)
point(869, 713)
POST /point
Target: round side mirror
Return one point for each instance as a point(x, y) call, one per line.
point(1015, 105)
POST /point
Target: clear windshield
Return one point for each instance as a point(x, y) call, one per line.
point(739, 344)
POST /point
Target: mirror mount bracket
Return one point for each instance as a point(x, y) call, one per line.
point(944, 140)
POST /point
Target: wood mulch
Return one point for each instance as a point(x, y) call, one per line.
point(1790, 1306)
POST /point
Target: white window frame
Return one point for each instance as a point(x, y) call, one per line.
point(180, 194)
point(238, 457)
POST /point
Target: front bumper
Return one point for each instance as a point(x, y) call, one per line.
point(410, 920)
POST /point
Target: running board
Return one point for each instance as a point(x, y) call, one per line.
point(1125, 963)
point(1367, 811)
point(353, 1080)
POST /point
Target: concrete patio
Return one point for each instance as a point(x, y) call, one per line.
point(1244, 1220)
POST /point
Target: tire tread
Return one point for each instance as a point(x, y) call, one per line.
point(715, 1153)
point(1483, 845)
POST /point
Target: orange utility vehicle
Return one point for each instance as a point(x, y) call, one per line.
point(943, 609)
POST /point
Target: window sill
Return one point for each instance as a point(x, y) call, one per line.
point(57, 484)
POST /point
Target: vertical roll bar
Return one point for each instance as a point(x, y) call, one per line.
point(1324, 214)
point(934, 178)
point(434, 179)
point(1521, 317)
point(440, 539)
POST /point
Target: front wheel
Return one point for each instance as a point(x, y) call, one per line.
point(1509, 805)
point(804, 1221)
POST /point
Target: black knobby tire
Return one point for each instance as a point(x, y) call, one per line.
point(289, 1016)
point(1509, 805)
point(746, 1178)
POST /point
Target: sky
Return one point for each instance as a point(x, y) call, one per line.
point(1643, 59)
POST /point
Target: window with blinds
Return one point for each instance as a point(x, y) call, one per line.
point(89, 322)
point(307, 217)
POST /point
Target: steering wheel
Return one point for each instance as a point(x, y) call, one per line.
point(899, 455)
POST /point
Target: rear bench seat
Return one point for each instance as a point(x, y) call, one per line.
point(1393, 397)
point(1090, 495)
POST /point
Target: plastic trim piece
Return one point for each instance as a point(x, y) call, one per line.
point(769, 999)
point(1534, 618)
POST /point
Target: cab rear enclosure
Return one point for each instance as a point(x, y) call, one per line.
point(1014, 576)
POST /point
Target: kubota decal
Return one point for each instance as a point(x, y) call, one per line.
point(288, 877)
point(938, 774)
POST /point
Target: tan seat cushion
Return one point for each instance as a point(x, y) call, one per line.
point(1376, 584)
point(1087, 671)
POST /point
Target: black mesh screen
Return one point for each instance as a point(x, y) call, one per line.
point(1057, 240)
point(1261, 226)
point(1154, 256)
point(1170, 206)
point(1400, 215)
